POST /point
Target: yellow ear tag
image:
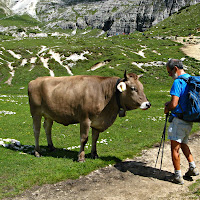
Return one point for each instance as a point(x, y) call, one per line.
point(121, 86)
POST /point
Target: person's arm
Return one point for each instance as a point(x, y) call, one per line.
point(171, 105)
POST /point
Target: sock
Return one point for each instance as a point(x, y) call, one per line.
point(178, 173)
point(192, 165)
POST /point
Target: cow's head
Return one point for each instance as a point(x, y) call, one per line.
point(132, 93)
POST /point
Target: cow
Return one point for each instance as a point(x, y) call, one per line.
point(92, 101)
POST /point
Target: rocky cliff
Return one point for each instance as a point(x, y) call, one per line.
point(113, 16)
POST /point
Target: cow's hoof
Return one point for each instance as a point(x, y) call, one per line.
point(81, 160)
point(81, 157)
point(94, 156)
point(51, 148)
point(122, 113)
point(37, 154)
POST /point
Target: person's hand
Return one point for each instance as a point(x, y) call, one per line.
point(166, 109)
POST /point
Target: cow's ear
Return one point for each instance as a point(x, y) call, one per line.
point(121, 86)
point(125, 76)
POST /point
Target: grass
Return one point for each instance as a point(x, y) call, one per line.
point(19, 21)
point(195, 188)
point(126, 138)
point(57, 166)
point(184, 23)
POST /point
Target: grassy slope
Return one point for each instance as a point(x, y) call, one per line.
point(184, 23)
point(126, 138)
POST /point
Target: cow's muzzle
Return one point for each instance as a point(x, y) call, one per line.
point(145, 105)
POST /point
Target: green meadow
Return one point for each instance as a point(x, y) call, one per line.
point(24, 59)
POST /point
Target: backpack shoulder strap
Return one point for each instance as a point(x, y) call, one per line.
point(186, 79)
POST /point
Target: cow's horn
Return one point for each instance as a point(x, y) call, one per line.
point(139, 76)
point(125, 76)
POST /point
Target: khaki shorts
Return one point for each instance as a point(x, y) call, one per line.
point(179, 130)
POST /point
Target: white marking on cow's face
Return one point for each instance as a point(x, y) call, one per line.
point(145, 105)
point(121, 86)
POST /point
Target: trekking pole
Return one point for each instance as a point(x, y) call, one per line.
point(162, 142)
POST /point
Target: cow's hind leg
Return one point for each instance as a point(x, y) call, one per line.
point(36, 129)
point(95, 136)
point(84, 129)
point(47, 127)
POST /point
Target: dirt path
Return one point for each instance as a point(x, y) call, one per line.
point(191, 46)
point(192, 50)
point(132, 179)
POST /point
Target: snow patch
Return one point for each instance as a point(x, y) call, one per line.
point(42, 56)
point(57, 34)
point(57, 58)
point(25, 6)
point(73, 32)
point(43, 48)
point(86, 32)
point(76, 57)
point(102, 32)
point(18, 56)
point(32, 61)
point(45, 64)
point(24, 62)
point(149, 64)
point(154, 51)
point(4, 112)
point(12, 72)
point(102, 141)
point(99, 65)
point(141, 53)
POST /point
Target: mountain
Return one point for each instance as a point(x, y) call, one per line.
point(113, 16)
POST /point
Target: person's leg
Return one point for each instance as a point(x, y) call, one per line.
point(192, 171)
point(176, 177)
point(187, 152)
point(175, 136)
point(175, 146)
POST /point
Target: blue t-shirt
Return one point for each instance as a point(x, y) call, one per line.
point(180, 89)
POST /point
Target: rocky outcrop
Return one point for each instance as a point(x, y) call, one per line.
point(113, 16)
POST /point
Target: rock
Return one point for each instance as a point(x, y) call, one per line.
point(113, 16)
point(81, 24)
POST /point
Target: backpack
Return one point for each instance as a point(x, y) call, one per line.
point(192, 113)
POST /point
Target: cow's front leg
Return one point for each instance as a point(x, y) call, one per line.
point(84, 129)
point(95, 136)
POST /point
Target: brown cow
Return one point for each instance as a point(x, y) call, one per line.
point(92, 101)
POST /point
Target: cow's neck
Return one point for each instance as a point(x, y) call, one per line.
point(118, 94)
point(121, 111)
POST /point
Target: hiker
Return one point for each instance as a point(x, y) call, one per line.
point(179, 130)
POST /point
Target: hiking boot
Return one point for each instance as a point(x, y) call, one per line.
point(175, 179)
point(192, 172)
